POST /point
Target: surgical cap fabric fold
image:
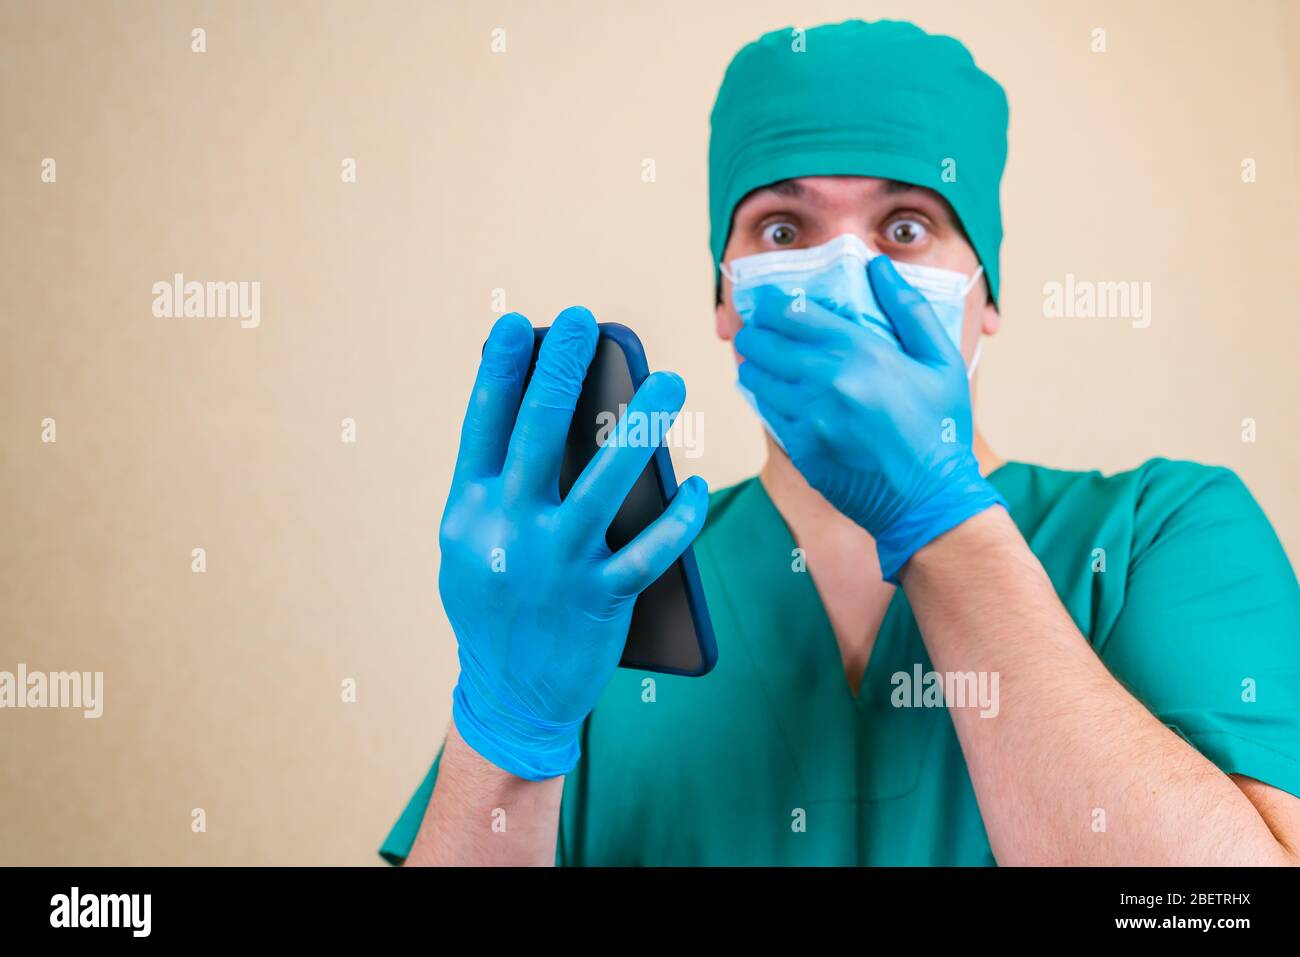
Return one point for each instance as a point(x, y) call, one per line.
point(883, 99)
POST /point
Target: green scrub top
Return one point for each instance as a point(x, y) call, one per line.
point(1171, 570)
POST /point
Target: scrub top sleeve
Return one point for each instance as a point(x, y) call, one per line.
point(398, 843)
point(1208, 637)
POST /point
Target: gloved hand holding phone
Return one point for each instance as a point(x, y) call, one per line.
point(539, 605)
point(881, 428)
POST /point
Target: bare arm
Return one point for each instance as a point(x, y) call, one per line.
point(1068, 738)
point(480, 815)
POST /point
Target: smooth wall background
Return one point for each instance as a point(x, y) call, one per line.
point(518, 171)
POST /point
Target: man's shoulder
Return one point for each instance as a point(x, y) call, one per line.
point(723, 498)
point(727, 505)
point(1151, 493)
point(1177, 480)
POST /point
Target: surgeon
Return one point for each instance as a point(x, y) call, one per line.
point(1129, 645)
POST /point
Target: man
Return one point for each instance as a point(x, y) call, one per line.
point(1135, 638)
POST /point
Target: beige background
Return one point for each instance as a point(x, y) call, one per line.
point(521, 172)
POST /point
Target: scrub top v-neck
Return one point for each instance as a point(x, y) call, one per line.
point(771, 760)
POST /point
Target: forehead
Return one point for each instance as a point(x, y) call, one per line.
point(838, 191)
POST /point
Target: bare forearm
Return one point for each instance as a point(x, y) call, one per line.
point(480, 815)
point(1072, 769)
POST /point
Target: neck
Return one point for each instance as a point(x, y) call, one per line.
point(841, 557)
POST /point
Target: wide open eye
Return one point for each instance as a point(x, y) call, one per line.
point(906, 232)
point(779, 234)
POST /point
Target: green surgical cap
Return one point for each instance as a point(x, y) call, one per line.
point(881, 99)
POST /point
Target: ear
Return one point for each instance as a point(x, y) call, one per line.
point(726, 322)
point(990, 318)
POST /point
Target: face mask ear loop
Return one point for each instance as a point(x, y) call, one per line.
point(975, 359)
point(979, 343)
point(722, 267)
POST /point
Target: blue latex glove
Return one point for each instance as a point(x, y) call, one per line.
point(883, 432)
point(539, 605)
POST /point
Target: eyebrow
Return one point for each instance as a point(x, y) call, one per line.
point(786, 187)
point(793, 189)
point(893, 186)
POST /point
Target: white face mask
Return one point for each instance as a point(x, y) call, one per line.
point(834, 275)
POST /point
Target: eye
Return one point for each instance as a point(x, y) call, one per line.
point(779, 234)
point(905, 232)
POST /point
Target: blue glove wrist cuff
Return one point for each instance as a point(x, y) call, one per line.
point(525, 747)
point(962, 496)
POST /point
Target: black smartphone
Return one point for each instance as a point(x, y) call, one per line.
point(671, 632)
